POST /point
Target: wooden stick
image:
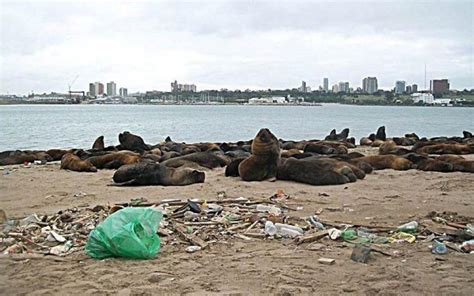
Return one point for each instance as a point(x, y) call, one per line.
point(190, 237)
point(311, 237)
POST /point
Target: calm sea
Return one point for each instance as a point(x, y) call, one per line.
point(61, 126)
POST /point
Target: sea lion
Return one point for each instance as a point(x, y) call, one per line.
point(206, 159)
point(333, 136)
point(459, 163)
point(316, 171)
point(319, 148)
point(129, 141)
point(377, 143)
point(148, 173)
point(390, 147)
point(380, 134)
point(19, 157)
point(365, 141)
point(98, 143)
point(381, 162)
point(232, 169)
point(466, 134)
point(263, 162)
point(73, 163)
point(290, 153)
point(114, 160)
point(446, 149)
point(57, 154)
point(425, 163)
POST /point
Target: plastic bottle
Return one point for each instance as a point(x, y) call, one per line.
point(270, 228)
point(408, 227)
point(269, 209)
point(316, 223)
point(439, 248)
point(287, 226)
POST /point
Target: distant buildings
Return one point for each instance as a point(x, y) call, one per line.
point(423, 98)
point(175, 87)
point(304, 88)
point(111, 88)
point(325, 84)
point(370, 85)
point(439, 87)
point(400, 87)
point(408, 89)
point(92, 90)
point(414, 88)
point(123, 92)
point(344, 87)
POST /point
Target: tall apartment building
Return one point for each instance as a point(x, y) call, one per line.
point(111, 88)
point(123, 92)
point(370, 85)
point(400, 87)
point(175, 87)
point(414, 88)
point(439, 86)
point(92, 90)
point(325, 84)
point(344, 87)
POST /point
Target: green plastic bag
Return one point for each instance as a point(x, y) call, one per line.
point(130, 233)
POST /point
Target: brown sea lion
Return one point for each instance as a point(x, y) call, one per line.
point(148, 173)
point(342, 136)
point(232, 169)
point(381, 162)
point(446, 149)
point(365, 141)
point(390, 147)
point(99, 143)
point(380, 134)
point(263, 162)
point(57, 154)
point(290, 153)
point(316, 171)
point(425, 163)
point(459, 163)
point(319, 148)
point(377, 143)
point(19, 157)
point(206, 159)
point(114, 160)
point(129, 141)
point(73, 163)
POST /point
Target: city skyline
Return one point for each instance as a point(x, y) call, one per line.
point(234, 45)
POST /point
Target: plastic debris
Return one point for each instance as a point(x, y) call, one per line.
point(360, 253)
point(409, 227)
point(402, 237)
point(334, 233)
point(326, 261)
point(192, 249)
point(439, 248)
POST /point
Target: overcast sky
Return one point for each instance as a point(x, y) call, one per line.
point(233, 44)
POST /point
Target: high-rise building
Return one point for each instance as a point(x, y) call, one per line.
point(414, 88)
point(335, 88)
point(400, 87)
point(344, 87)
point(111, 88)
point(303, 86)
point(408, 89)
point(325, 84)
point(92, 90)
point(175, 87)
point(99, 88)
point(370, 85)
point(439, 86)
point(123, 92)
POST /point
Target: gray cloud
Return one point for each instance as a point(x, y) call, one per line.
point(233, 44)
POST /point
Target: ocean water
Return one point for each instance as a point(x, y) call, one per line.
point(64, 126)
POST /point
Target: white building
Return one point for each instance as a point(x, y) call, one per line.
point(266, 101)
point(422, 97)
point(123, 92)
point(325, 84)
point(369, 85)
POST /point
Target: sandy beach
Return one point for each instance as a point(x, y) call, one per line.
point(259, 266)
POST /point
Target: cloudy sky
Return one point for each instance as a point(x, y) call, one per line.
point(144, 45)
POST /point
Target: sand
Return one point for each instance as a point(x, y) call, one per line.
point(248, 267)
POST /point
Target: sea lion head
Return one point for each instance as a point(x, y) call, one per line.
point(265, 143)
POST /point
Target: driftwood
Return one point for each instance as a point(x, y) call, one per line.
point(190, 237)
point(311, 238)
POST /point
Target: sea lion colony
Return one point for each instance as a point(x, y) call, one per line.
point(316, 162)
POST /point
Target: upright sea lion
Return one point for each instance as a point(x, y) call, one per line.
point(381, 162)
point(99, 143)
point(73, 163)
point(129, 141)
point(148, 173)
point(333, 136)
point(380, 135)
point(263, 162)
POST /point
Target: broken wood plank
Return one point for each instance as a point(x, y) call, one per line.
point(190, 237)
point(311, 237)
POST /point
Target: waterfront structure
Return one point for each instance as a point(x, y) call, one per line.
point(370, 85)
point(439, 86)
point(400, 87)
point(266, 101)
point(326, 84)
point(175, 87)
point(344, 87)
point(111, 88)
point(422, 97)
point(123, 92)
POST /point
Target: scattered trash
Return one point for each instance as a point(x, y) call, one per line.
point(402, 237)
point(192, 249)
point(360, 253)
point(61, 250)
point(439, 248)
point(409, 227)
point(334, 233)
point(326, 261)
point(468, 246)
point(130, 233)
point(269, 209)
